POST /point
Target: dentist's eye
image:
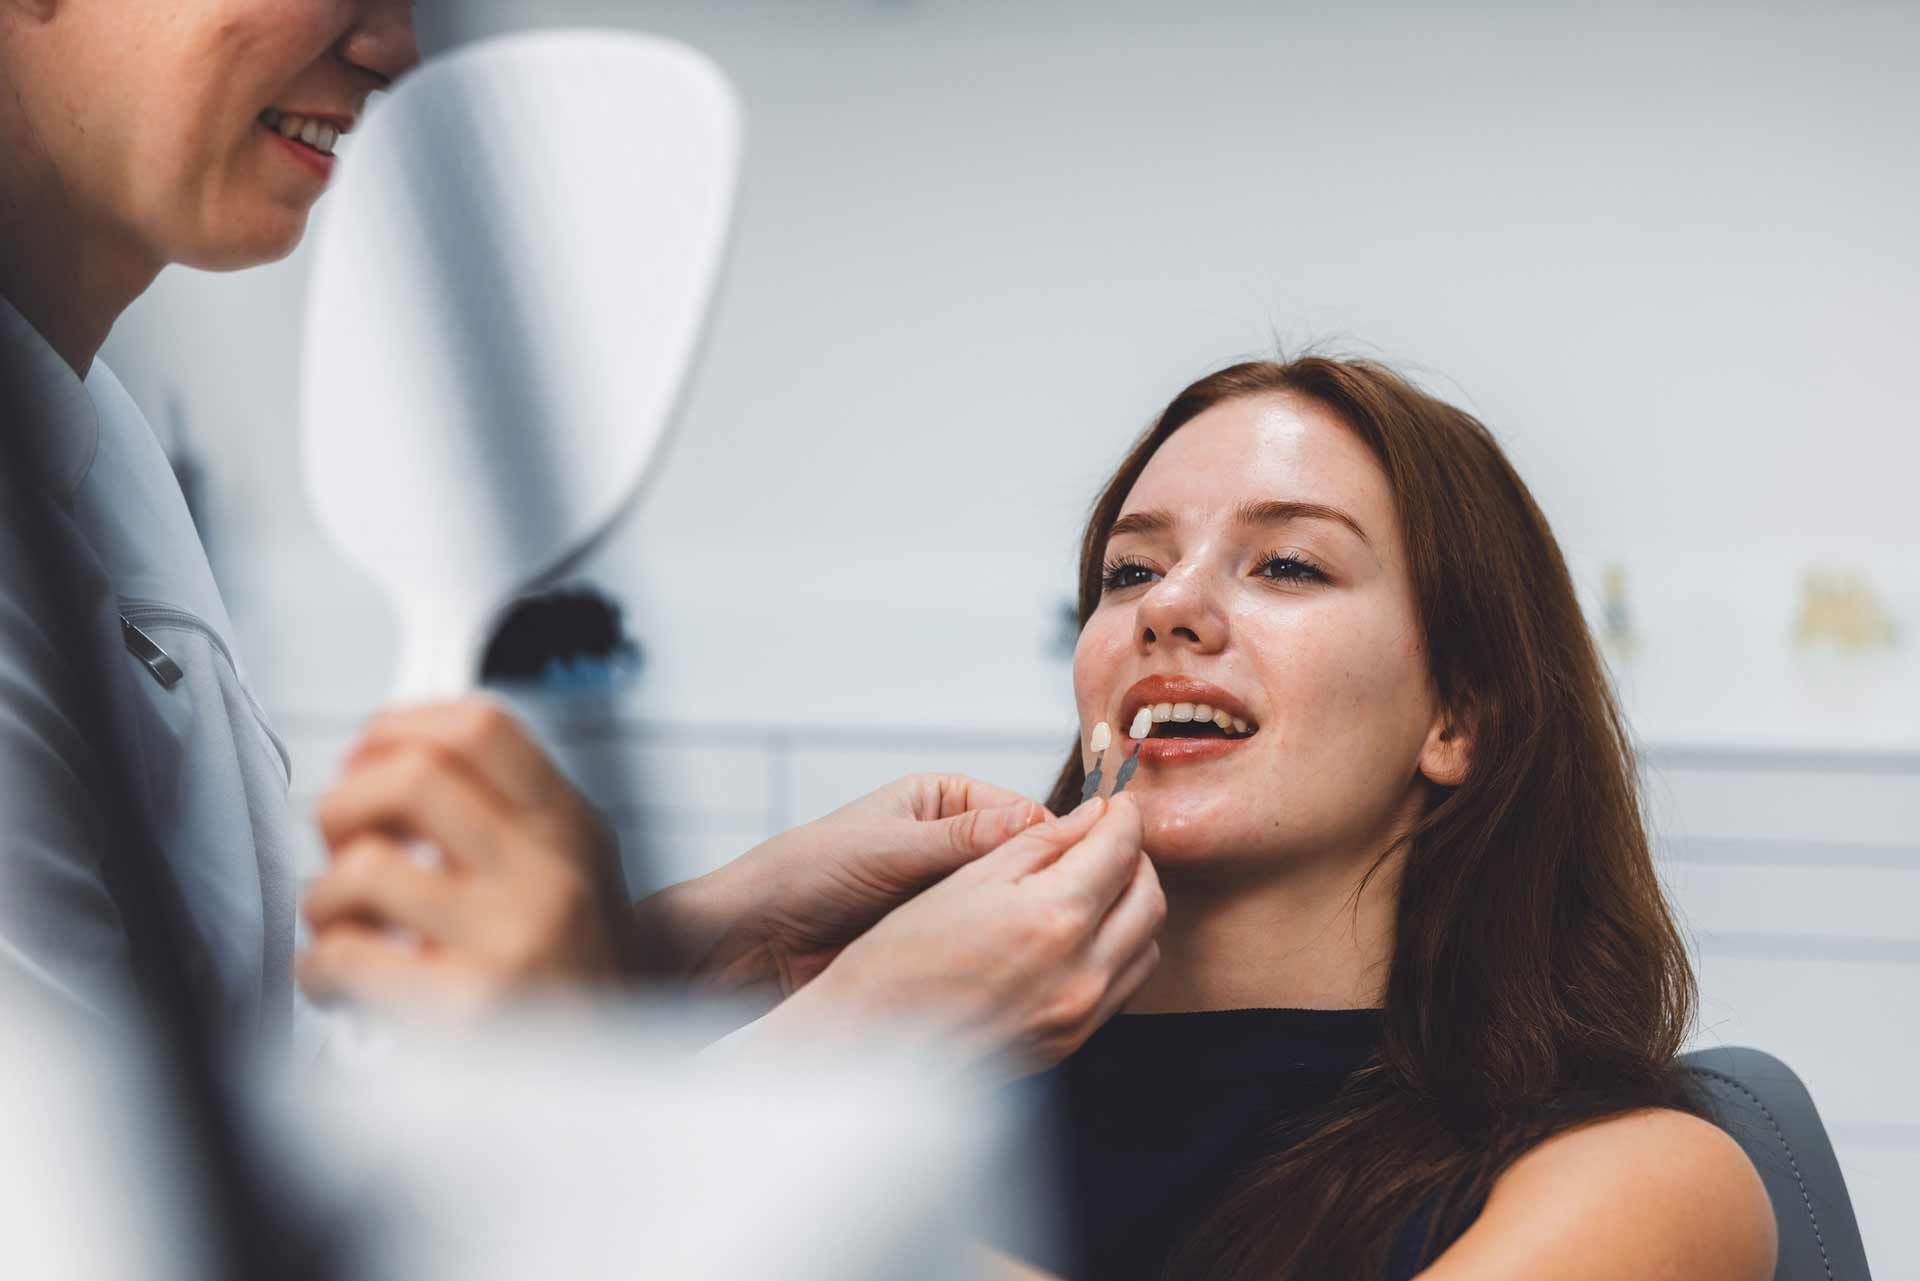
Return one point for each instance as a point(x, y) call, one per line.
point(1118, 575)
point(1290, 567)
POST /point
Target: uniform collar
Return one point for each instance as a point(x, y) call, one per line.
point(57, 426)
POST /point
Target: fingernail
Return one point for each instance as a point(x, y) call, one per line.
point(1092, 802)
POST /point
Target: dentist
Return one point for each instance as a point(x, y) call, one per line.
point(200, 132)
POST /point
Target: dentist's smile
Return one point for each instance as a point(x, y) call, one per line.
point(308, 139)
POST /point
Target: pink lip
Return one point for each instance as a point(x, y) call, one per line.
point(1187, 751)
point(320, 165)
point(1182, 689)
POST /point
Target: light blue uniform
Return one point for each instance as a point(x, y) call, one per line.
point(200, 768)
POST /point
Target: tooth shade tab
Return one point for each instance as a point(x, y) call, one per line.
point(1142, 723)
point(1102, 736)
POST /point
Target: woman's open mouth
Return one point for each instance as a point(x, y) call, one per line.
point(1186, 719)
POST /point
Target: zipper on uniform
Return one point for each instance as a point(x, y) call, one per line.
point(157, 661)
point(134, 612)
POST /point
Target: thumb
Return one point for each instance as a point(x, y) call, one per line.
point(1041, 844)
point(965, 837)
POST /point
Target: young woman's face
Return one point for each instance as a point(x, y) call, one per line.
point(1257, 569)
point(154, 114)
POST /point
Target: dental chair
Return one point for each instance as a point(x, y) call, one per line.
point(1760, 1102)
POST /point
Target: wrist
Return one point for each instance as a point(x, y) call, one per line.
point(714, 924)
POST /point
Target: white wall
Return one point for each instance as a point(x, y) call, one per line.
point(1668, 256)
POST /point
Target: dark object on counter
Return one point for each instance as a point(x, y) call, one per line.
point(566, 637)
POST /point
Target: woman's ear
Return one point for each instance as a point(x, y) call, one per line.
point(1448, 751)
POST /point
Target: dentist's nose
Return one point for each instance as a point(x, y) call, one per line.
point(1181, 611)
point(382, 42)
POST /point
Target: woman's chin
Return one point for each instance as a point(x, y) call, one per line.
point(1185, 829)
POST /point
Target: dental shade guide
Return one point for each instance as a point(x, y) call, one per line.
point(1138, 731)
point(1097, 744)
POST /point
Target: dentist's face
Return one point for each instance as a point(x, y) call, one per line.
point(152, 113)
point(1257, 570)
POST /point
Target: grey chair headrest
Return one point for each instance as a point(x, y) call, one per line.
point(1760, 1102)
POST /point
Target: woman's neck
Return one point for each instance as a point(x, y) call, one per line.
point(68, 278)
point(1296, 939)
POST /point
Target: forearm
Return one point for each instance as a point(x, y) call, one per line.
point(700, 935)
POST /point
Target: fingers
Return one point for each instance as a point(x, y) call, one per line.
point(947, 795)
point(376, 881)
point(1042, 844)
point(968, 836)
point(362, 963)
point(1101, 864)
point(1134, 922)
point(1128, 982)
point(419, 794)
point(480, 734)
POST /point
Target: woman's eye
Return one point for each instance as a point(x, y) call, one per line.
point(1125, 574)
point(1290, 569)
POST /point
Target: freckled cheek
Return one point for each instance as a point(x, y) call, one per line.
point(1332, 681)
point(1098, 666)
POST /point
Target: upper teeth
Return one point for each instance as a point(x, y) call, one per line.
point(317, 134)
point(1161, 713)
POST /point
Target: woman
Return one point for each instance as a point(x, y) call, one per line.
point(201, 132)
point(1416, 957)
point(1418, 995)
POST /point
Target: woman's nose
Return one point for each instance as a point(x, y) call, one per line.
point(1180, 611)
point(383, 41)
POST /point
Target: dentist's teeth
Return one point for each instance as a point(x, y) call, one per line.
point(1162, 713)
point(1239, 726)
point(1202, 712)
point(1102, 735)
point(1142, 723)
point(1220, 719)
point(317, 134)
point(1183, 712)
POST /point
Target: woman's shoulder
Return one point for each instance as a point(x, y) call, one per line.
point(1652, 1192)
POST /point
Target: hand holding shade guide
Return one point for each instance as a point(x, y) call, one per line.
point(508, 288)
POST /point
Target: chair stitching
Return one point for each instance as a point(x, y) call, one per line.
point(1786, 1147)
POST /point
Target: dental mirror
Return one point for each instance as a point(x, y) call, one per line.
point(508, 287)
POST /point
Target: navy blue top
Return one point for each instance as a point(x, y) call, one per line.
point(1159, 1112)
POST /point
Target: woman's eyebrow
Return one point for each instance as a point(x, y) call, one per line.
point(1147, 522)
point(1271, 511)
point(1279, 511)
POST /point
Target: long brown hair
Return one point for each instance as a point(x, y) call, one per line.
point(1537, 979)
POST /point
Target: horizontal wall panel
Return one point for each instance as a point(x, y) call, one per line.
point(1766, 804)
point(659, 855)
point(823, 779)
point(660, 776)
point(1849, 1029)
point(1844, 903)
